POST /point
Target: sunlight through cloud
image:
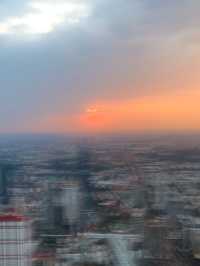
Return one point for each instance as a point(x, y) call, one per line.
point(44, 16)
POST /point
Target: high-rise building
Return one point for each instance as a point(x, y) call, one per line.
point(71, 203)
point(3, 184)
point(15, 240)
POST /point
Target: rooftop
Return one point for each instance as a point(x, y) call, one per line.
point(12, 218)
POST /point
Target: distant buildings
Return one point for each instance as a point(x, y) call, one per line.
point(15, 236)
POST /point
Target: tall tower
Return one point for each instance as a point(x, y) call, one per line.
point(15, 240)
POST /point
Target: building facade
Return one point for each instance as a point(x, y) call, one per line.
point(15, 240)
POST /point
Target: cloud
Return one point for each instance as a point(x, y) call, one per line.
point(118, 50)
point(44, 16)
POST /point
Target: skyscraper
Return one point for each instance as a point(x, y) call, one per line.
point(71, 204)
point(15, 240)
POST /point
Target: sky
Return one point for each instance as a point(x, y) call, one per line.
point(98, 66)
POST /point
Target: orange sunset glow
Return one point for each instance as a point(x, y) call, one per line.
point(167, 112)
point(161, 112)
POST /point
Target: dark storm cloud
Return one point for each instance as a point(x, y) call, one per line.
point(118, 51)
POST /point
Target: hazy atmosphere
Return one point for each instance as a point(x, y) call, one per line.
point(99, 65)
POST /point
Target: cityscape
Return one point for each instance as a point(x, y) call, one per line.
point(99, 133)
point(120, 200)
